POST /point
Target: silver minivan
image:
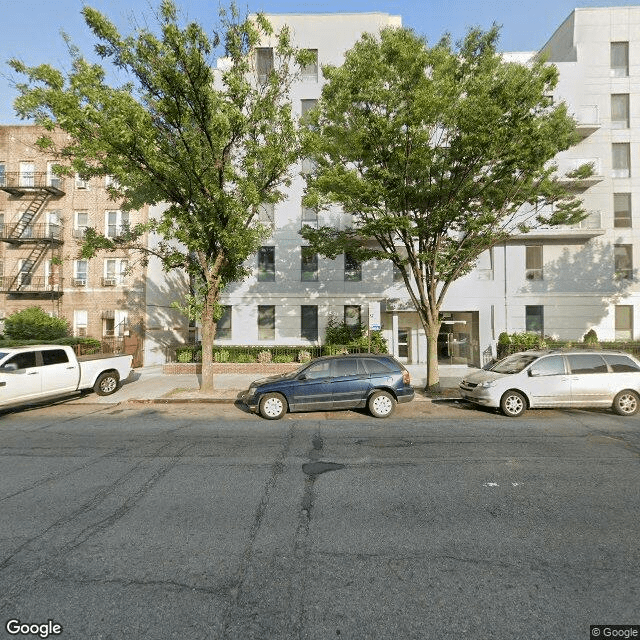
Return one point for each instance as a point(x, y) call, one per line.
point(536, 379)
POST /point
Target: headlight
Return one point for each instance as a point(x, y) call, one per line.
point(486, 385)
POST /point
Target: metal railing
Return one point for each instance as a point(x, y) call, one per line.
point(29, 284)
point(39, 231)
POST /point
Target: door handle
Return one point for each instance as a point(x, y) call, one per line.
point(70, 367)
point(3, 384)
point(33, 373)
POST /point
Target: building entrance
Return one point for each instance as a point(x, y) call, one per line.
point(458, 341)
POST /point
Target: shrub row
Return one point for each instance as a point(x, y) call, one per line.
point(264, 355)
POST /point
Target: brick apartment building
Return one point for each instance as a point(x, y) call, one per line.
point(42, 221)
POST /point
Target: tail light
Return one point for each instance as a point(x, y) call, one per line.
point(406, 377)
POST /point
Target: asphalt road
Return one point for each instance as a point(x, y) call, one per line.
point(198, 521)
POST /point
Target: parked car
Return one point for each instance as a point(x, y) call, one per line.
point(46, 371)
point(334, 382)
point(535, 379)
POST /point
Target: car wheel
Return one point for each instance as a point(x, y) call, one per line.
point(273, 406)
point(381, 404)
point(626, 403)
point(106, 384)
point(513, 404)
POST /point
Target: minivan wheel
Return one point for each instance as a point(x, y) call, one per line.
point(626, 403)
point(381, 404)
point(273, 406)
point(513, 404)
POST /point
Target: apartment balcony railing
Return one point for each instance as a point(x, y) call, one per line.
point(21, 182)
point(27, 283)
point(590, 227)
point(31, 233)
point(587, 120)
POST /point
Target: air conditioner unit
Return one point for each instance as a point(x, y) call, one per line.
point(81, 332)
point(108, 282)
point(79, 282)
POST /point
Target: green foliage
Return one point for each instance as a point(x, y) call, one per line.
point(340, 333)
point(438, 153)
point(34, 324)
point(213, 143)
point(591, 337)
point(283, 358)
point(264, 357)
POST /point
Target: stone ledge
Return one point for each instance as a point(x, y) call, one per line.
point(272, 368)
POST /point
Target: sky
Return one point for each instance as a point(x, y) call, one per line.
point(30, 30)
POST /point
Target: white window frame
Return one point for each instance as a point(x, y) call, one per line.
point(80, 322)
point(80, 277)
point(121, 219)
point(79, 229)
point(80, 183)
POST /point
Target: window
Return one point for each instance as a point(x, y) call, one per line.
point(267, 264)
point(110, 181)
point(310, 70)
point(53, 180)
point(116, 222)
point(620, 111)
point(308, 265)
point(624, 322)
point(80, 319)
point(266, 322)
point(309, 322)
point(25, 272)
point(623, 257)
point(619, 59)
point(54, 356)
point(318, 370)
point(373, 366)
point(27, 174)
point(264, 63)
point(23, 360)
point(352, 268)
point(484, 266)
point(80, 223)
point(534, 319)
point(620, 364)
point(621, 160)
point(397, 273)
point(223, 330)
point(587, 363)
point(622, 210)
point(3, 174)
point(533, 259)
point(309, 217)
point(81, 183)
point(352, 315)
point(80, 271)
point(551, 366)
point(306, 105)
point(347, 367)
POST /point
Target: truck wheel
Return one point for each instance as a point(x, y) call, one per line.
point(273, 406)
point(381, 404)
point(107, 383)
point(513, 404)
point(626, 403)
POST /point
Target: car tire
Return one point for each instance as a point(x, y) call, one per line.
point(513, 404)
point(272, 406)
point(381, 404)
point(626, 403)
point(107, 383)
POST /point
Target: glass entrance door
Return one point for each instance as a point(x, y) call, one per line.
point(403, 344)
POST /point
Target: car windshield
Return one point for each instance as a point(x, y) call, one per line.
point(3, 354)
point(514, 363)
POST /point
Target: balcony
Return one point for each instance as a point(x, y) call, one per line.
point(580, 184)
point(31, 233)
point(587, 120)
point(590, 227)
point(30, 285)
point(19, 183)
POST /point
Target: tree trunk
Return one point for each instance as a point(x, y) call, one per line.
point(208, 334)
point(433, 375)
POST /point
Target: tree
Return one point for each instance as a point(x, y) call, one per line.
point(34, 324)
point(438, 153)
point(213, 143)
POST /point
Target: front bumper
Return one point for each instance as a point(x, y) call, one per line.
point(250, 399)
point(480, 395)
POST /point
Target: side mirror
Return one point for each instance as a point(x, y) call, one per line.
point(531, 373)
point(302, 376)
point(10, 366)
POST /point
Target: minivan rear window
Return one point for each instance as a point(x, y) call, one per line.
point(373, 365)
point(587, 363)
point(620, 364)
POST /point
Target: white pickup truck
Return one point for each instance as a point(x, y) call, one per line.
point(45, 371)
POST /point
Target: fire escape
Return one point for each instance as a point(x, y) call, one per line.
point(36, 238)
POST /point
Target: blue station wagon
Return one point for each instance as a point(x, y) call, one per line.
point(375, 381)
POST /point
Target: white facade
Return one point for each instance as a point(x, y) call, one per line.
point(568, 284)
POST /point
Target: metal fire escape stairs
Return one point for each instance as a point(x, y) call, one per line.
point(42, 190)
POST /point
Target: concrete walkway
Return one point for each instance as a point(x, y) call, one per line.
point(151, 384)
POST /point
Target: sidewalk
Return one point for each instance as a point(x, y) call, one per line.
point(150, 384)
